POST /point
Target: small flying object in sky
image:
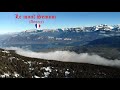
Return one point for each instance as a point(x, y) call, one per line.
point(37, 26)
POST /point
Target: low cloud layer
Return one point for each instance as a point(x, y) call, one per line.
point(67, 56)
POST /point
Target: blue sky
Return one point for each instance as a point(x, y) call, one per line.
point(8, 22)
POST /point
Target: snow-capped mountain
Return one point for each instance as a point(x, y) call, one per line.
point(50, 38)
point(103, 40)
point(101, 27)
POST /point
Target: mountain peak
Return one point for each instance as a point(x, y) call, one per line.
point(102, 27)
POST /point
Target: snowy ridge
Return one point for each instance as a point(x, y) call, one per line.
point(102, 27)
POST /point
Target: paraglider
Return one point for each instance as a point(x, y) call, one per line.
point(37, 26)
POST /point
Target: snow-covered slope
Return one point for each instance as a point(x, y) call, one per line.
point(78, 29)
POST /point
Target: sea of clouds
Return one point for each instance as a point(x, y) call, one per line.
point(67, 56)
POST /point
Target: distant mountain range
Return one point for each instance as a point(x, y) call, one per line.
point(38, 40)
point(103, 40)
point(101, 27)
